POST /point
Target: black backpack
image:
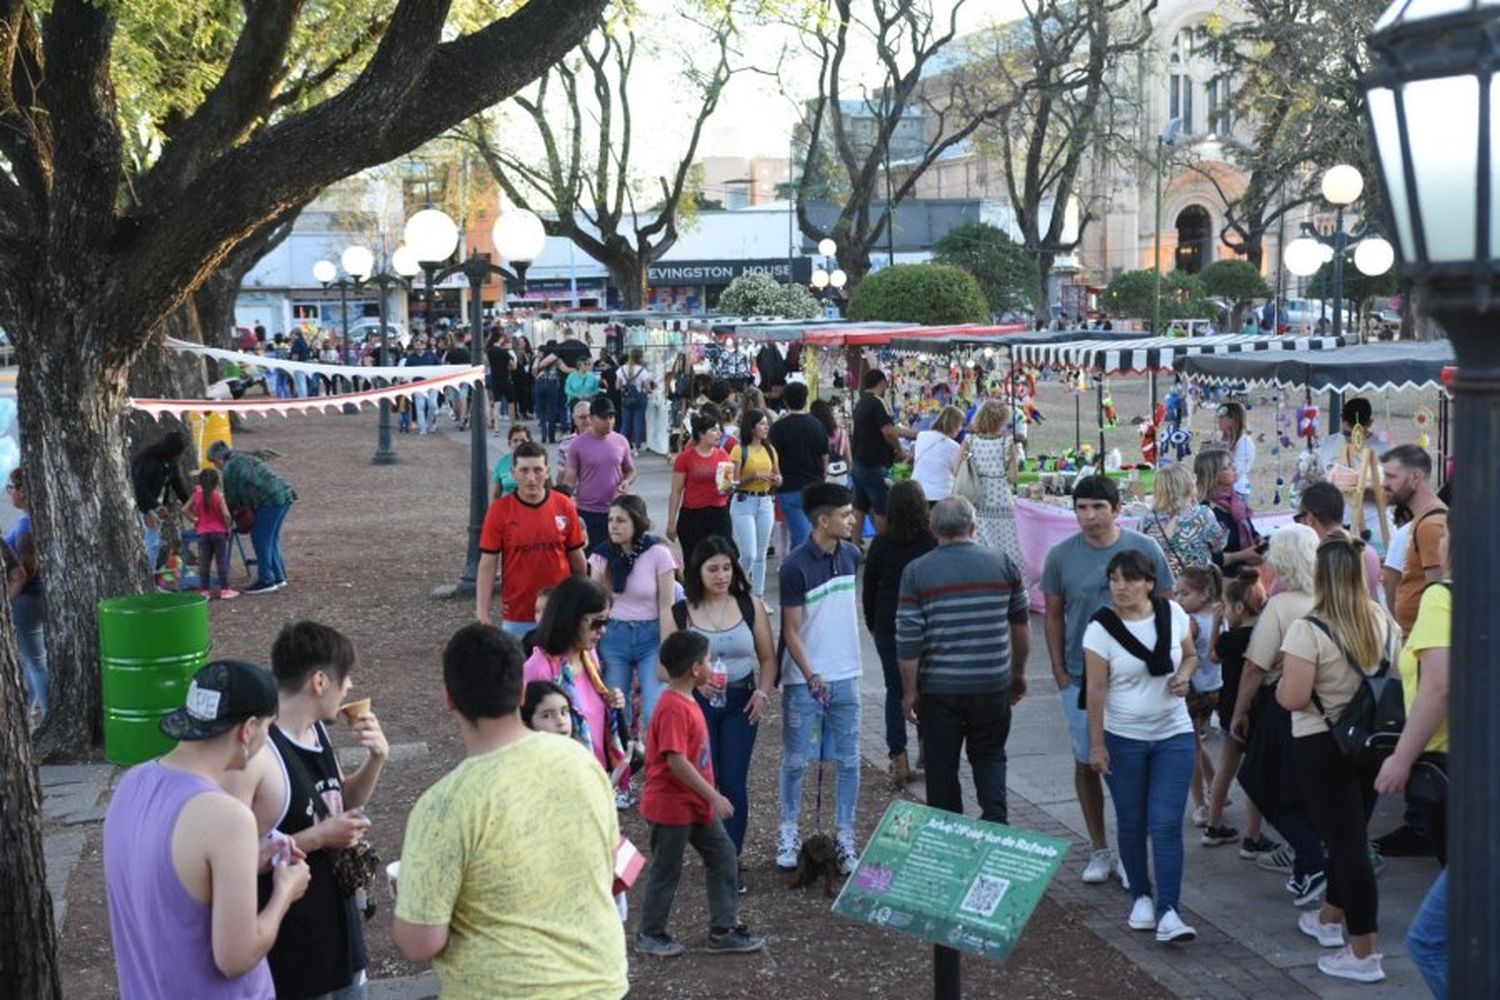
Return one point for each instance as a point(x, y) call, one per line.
point(1367, 729)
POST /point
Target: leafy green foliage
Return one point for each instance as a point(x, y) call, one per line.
point(931, 294)
point(1236, 280)
point(763, 295)
point(1007, 276)
point(1133, 295)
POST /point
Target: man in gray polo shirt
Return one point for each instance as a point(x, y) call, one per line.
point(963, 630)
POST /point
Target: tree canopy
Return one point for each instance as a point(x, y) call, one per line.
point(1007, 276)
point(1133, 295)
point(929, 294)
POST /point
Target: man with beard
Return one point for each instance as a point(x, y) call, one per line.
point(1407, 477)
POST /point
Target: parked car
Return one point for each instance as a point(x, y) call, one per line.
point(1302, 315)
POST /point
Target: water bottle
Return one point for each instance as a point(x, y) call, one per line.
point(720, 679)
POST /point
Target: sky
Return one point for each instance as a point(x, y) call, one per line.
point(753, 117)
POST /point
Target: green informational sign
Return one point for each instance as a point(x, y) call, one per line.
point(955, 881)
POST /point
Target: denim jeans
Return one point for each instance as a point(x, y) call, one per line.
point(29, 612)
point(516, 630)
point(153, 540)
point(668, 842)
point(265, 539)
point(633, 424)
point(548, 395)
point(425, 405)
point(753, 517)
point(629, 649)
point(1148, 780)
point(980, 723)
point(895, 717)
point(731, 741)
point(1427, 940)
point(213, 547)
point(810, 733)
point(797, 525)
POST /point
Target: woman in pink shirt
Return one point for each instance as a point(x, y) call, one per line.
point(567, 637)
point(639, 570)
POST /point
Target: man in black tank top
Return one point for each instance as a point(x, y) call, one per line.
point(295, 786)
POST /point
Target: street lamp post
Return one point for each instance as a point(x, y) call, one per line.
point(519, 236)
point(828, 281)
point(359, 264)
point(1429, 102)
point(327, 274)
point(1167, 138)
point(1373, 254)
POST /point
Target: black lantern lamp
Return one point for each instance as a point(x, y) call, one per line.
point(1431, 101)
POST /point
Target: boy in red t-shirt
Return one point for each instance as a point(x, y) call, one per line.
point(683, 807)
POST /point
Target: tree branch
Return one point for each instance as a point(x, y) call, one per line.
point(78, 99)
point(240, 98)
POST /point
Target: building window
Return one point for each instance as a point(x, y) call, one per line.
point(1219, 120)
point(1180, 101)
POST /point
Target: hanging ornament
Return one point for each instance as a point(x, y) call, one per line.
point(1422, 417)
point(1307, 422)
point(1276, 500)
point(1357, 438)
point(1111, 418)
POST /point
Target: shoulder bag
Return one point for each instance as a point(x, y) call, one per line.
point(1367, 729)
point(966, 484)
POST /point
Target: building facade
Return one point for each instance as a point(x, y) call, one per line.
point(1174, 79)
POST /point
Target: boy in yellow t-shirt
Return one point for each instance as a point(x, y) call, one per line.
point(502, 905)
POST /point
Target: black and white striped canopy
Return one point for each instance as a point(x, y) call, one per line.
point(1159, 353)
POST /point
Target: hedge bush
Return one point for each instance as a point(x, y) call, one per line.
point(929, 294)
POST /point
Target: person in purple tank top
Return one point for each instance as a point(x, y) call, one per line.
point(181, 854)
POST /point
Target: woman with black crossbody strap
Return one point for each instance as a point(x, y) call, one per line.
point(1327, 658)
point(1140, 659)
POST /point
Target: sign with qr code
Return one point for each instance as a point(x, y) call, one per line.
point(951, 880)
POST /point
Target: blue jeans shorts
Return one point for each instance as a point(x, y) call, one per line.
point(1077, 720)
point(871, 488)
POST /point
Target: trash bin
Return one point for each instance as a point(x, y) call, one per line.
point(150, 646)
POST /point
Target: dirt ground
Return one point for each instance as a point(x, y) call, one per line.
point(365, 546)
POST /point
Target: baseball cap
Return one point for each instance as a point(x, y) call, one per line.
point(221, 696)
point(602, 407)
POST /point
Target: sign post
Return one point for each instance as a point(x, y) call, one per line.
point(960, 883)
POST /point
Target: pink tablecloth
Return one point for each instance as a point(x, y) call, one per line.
point(1041, 526)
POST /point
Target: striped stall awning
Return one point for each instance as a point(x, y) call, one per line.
point(1159, 353)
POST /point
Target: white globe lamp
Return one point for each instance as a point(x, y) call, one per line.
point(1342, 185)
point(431, 234)
point(325, 271)
point(519, 235)
point(405, 262)
point(358, 261)
point(1374, 255)
point(820, 279)
point(827, 247)
point(838, 279)
point(1303, 256)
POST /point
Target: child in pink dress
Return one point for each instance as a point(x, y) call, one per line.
point(208, 510)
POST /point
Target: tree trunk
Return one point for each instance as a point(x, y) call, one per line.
point(1043, 284)
point(162, 373)
point(71, 401)
point(632, 280)
point(28, 947)
point(214, 304)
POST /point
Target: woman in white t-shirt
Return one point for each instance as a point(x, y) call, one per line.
point(1140, 659)
point(935, 456)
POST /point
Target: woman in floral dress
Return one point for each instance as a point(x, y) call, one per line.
point(989, 446)
point(1187, 531)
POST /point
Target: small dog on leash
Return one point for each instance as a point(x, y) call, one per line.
point(819, 858)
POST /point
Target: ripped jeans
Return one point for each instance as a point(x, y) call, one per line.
point(811, 733)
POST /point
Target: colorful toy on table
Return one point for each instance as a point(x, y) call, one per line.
point(1307, 423)
point(1111, 416)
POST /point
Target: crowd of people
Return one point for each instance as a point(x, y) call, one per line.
point(658, 665)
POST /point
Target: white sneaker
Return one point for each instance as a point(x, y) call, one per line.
point(1098, 869)
point(843, 840)
point(1200, 816)
point(788, 846)
point(1171, 929)
point(1327, 935)
point(1344, 964)
point(1142, 915)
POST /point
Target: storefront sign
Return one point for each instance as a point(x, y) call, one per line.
point(955, 881)
point(722, 272)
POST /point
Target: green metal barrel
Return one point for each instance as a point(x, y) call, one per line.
point(150, 646)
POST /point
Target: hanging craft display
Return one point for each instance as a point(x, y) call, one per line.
point(1422, 418)
point(1307, 423)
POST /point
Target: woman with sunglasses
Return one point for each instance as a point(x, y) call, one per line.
point(567, 640)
